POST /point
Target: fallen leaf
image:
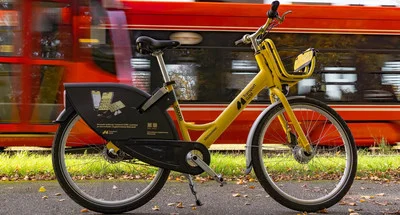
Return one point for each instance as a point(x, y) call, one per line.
point(354, 213)
point(245, 196)
point(247, 203)
point(240, 182)
point(194, 208)
point(84, 210)
point(351, 210)
point(367, 197)
point(61, 200)
point(115, 187)
point(362, 200)
point(380, 194)
point(42, 189)
point(155, 208)
point(323, 211)
point(385, 203)
point(45, 197)
point(180, 205)
point(236, 195)
point(171, 204)
point(352, 203)
point(57, 194)
point(252, 187)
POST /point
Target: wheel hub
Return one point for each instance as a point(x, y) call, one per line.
point(302, 156)
point(114, 157)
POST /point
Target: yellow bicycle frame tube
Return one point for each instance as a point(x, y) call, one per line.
point(214, 129)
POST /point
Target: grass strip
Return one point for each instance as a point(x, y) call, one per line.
point(26, 165)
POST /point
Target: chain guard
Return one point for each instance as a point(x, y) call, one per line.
point(167, 154)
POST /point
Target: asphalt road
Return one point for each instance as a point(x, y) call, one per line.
point(365, 197)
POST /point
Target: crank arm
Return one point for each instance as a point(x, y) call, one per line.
point(207, 169)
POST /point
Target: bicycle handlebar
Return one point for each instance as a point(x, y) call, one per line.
point(272, 15)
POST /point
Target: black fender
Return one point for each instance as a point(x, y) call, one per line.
point(113, 111)
point(63, 116)
point(249, 160)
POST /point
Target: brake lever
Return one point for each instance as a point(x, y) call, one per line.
point(282, 18)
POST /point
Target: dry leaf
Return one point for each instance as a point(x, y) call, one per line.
point(194, 208)
point(351, 210)
point(354, 213)
point(236, 195)
point(42, 189)
point(385, 203)
point(252, 187)
point(352, 203)
point(115, 187)
point(171, 204)
point(45, 197)
point(180, 205)
point(323, 211)
point(362, 200)
point(155, 208)
point(61, 200)
point(367, 197)
point(240, 182)
point(245, 196)
point(84, 210)
point(380, 194)
point(57, 194)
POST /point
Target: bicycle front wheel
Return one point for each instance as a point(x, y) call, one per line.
point(296, 179)
point(97, 178)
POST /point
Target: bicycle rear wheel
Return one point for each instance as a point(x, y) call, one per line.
point(297, 180)
point(98, 179)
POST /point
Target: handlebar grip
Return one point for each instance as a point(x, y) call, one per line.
point(273, 12)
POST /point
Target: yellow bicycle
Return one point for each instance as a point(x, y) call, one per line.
point(116, 145)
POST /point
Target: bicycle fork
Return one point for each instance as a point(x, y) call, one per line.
point(302, 140)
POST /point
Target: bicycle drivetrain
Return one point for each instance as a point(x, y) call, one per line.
point(168, 154)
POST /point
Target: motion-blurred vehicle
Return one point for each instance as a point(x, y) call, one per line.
point(44, 44)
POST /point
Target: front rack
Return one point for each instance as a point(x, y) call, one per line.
point(304, 63)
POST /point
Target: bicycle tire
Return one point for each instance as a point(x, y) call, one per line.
point(112, 184)
point(328, 163)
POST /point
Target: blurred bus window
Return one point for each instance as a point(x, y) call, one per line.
point(52, 33)
point(10, 29)
point(10, 92)
point(350, 68)
point(52, 46)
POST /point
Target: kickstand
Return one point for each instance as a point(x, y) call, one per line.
point(193, 189)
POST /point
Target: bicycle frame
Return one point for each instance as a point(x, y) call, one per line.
point(214, 129)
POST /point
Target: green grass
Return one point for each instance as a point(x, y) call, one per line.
point(33, 166)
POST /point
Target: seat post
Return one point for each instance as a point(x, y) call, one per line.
point(161, 63)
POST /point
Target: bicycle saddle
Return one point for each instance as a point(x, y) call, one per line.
point(148, 45)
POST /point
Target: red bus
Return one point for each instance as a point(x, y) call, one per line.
point(48, 43)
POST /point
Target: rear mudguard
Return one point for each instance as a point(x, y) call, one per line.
point(249, 159)
point(113, 111)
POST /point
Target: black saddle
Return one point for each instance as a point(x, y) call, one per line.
point(148, 45)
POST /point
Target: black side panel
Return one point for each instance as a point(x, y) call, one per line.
point(112, 111)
